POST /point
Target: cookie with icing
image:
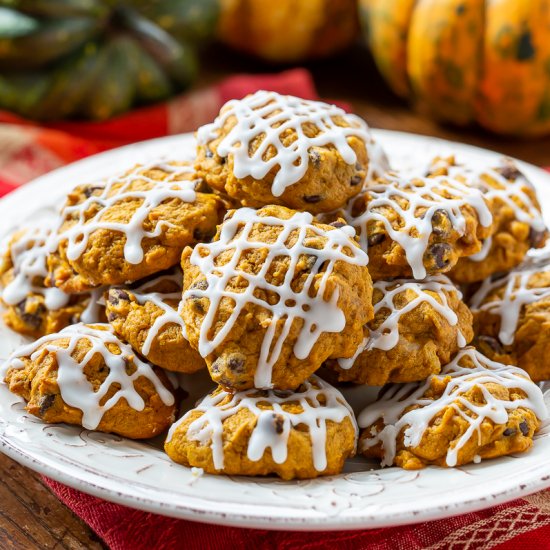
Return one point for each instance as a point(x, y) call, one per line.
point(412, 225)
point(85, 375)
point(512, 318)
point(295, 435)
point(131, 226)
point(273, 296)
point(274, 149)
point(32, 308)
point(418, 327)
point(473, 410)
point(148, 317)
point(517, 219)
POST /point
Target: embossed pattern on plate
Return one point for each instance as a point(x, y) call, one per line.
point(140, 475)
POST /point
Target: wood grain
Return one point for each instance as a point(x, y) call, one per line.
point(30, 516)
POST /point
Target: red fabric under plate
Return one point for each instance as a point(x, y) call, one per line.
point(28, 150)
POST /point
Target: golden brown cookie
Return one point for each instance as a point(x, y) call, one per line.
point(517, 219)
point(131, 226)
point(418, 327)
point(512, 319)
point(295, 435)
point(474, 409)
point(85, 375)
point(31, 308)
point(418, 226)
point(273, 296)
point(148, 317)
point(273, 149)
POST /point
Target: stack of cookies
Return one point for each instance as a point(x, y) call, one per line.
point(289, 259)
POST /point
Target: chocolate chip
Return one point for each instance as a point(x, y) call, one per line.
point(510, 171)
point(283, 394)
point(223, 160)
point(508, 432)
point(355, 180)
point(216, 366)
point(338, 225)
point(279, 423)
point(358, 167)
point(111, 316)
point(376, 238)
point(117, 294)
point(45, 403)
point(33, 320)
point(197, 304)
point(89, 190)
point(199, 285)
point(202, 235)
point(315, 159)
point(312, 199)
point(493, 343)
point(440, 252)
point(236, 363)
point(536, 238)
point(524, 427)
point(441, 223)
point(208, 153)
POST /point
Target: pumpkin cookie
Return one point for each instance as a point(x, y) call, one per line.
point(273, 149)
point(474, 409)
point(31, 308)
point(131, 226)
point(295, 435)
point(418, 225)
point(148, 317)
point(85, 375)
point(517, 219)
point(512, 319)
point(418, 326)
point(273, 296)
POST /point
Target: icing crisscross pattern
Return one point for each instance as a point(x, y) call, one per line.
point(319, 313)
point(386, 336)
point(319, 403)
point(118, 190)
point(479, 371)
point(170, 315)
point(29, 259)
point(415, 201)
point(267, 117)
point(517, 293)
point(74, 387)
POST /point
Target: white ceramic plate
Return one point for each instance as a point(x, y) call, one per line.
point(142, 476)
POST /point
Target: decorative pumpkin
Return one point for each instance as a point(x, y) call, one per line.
point(288, 30)
point(97, 58)
point(467, 60)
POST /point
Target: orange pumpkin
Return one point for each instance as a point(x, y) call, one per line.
point(288, 30)
point(467, 60)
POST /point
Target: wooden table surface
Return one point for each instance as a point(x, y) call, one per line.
point(30, 516)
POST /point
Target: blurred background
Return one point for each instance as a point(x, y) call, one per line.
point(81, 76)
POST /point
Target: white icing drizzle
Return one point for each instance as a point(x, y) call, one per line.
point(28, 256)
point(169, 315)
point(75, 389)
point(413, 231)
point(162, 190)
point(398, 397)
point(525, 210)
point(267, 116)
point(208, 428)
point(319, 315)
point(386, 336)
point(517, 294)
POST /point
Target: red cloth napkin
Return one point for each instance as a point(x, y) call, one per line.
point(28, 150)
